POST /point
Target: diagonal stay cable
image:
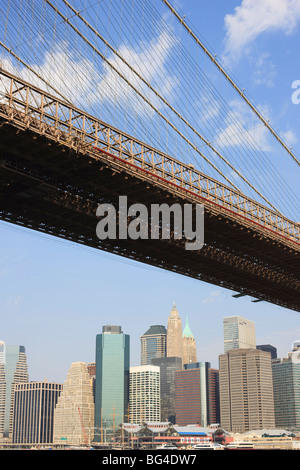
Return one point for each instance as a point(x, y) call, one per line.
point(33, 71)
point(164, 101)
point(202, 79)
point(140, 94)
point(240, 92)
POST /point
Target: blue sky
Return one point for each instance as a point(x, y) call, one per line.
point(56, 296)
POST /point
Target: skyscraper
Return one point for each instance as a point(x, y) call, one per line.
point(144, 396)
point(286, 383)
point(188, 397)
point(74, 412)
point(174, 334)
point(246, 390)
point(153, 344)
point(168, 367)
point(214, 396)
point(238, 333)
point(189, 352)
point(192, 394)
point(112, 378)
point(13, 370)
point(34, 405)
point(269, 348)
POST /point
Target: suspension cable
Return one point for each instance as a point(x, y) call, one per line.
point(240, 92)
point(160, 97)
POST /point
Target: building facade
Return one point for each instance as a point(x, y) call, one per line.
point(144, 396)
point(246, 390)
point(34, 405)
point(192, 394)
point(174, 334)
point(286, 383)
point(189, 350)
point(168, 366)
point(269, 348)
point(74, 412)
point(13, 370)
point(214, 396)
point(239, 333)
point(112, 379)
point(188, 397)
point(153, 344)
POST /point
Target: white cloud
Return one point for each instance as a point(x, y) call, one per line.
point(149, 61)
point(253, 17)
point(93, 81)
point(212, 297)
point(239, 131)
point(265, 71)
point(65, 71)
point(289, 137)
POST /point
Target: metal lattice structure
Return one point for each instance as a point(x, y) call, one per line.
point(58, 163)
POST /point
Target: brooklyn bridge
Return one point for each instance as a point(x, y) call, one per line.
point(62, 154)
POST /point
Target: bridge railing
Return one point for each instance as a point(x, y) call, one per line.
point(31, 107)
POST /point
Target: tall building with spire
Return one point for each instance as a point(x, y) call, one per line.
point(189, 352)
point(174, 334)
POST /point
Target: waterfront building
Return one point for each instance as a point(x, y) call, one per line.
point(168, 367)
point(189, 350)
point(74, 412)
point(34, 405)
point(153, 344)
point(246, 390)
point(286, 383)
point(174, 334)
point(13, 370)
point(112, 379)
point(239, 333)
point(144, 395)
point(194, 434)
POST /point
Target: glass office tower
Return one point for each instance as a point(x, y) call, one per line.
point(112, 381)
point(286, 385)
point(239, 333)
point(153, 344)
point(13, 370)
point(168, 367)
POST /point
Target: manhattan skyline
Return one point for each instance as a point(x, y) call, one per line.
point(57, 324)
point(56, 296)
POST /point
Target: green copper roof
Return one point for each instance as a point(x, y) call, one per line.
point(187, 331)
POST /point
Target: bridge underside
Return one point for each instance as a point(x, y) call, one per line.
point(49, 187)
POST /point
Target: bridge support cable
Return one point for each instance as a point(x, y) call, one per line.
point(31, 69)
point(229, 79)
point(159, 96)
